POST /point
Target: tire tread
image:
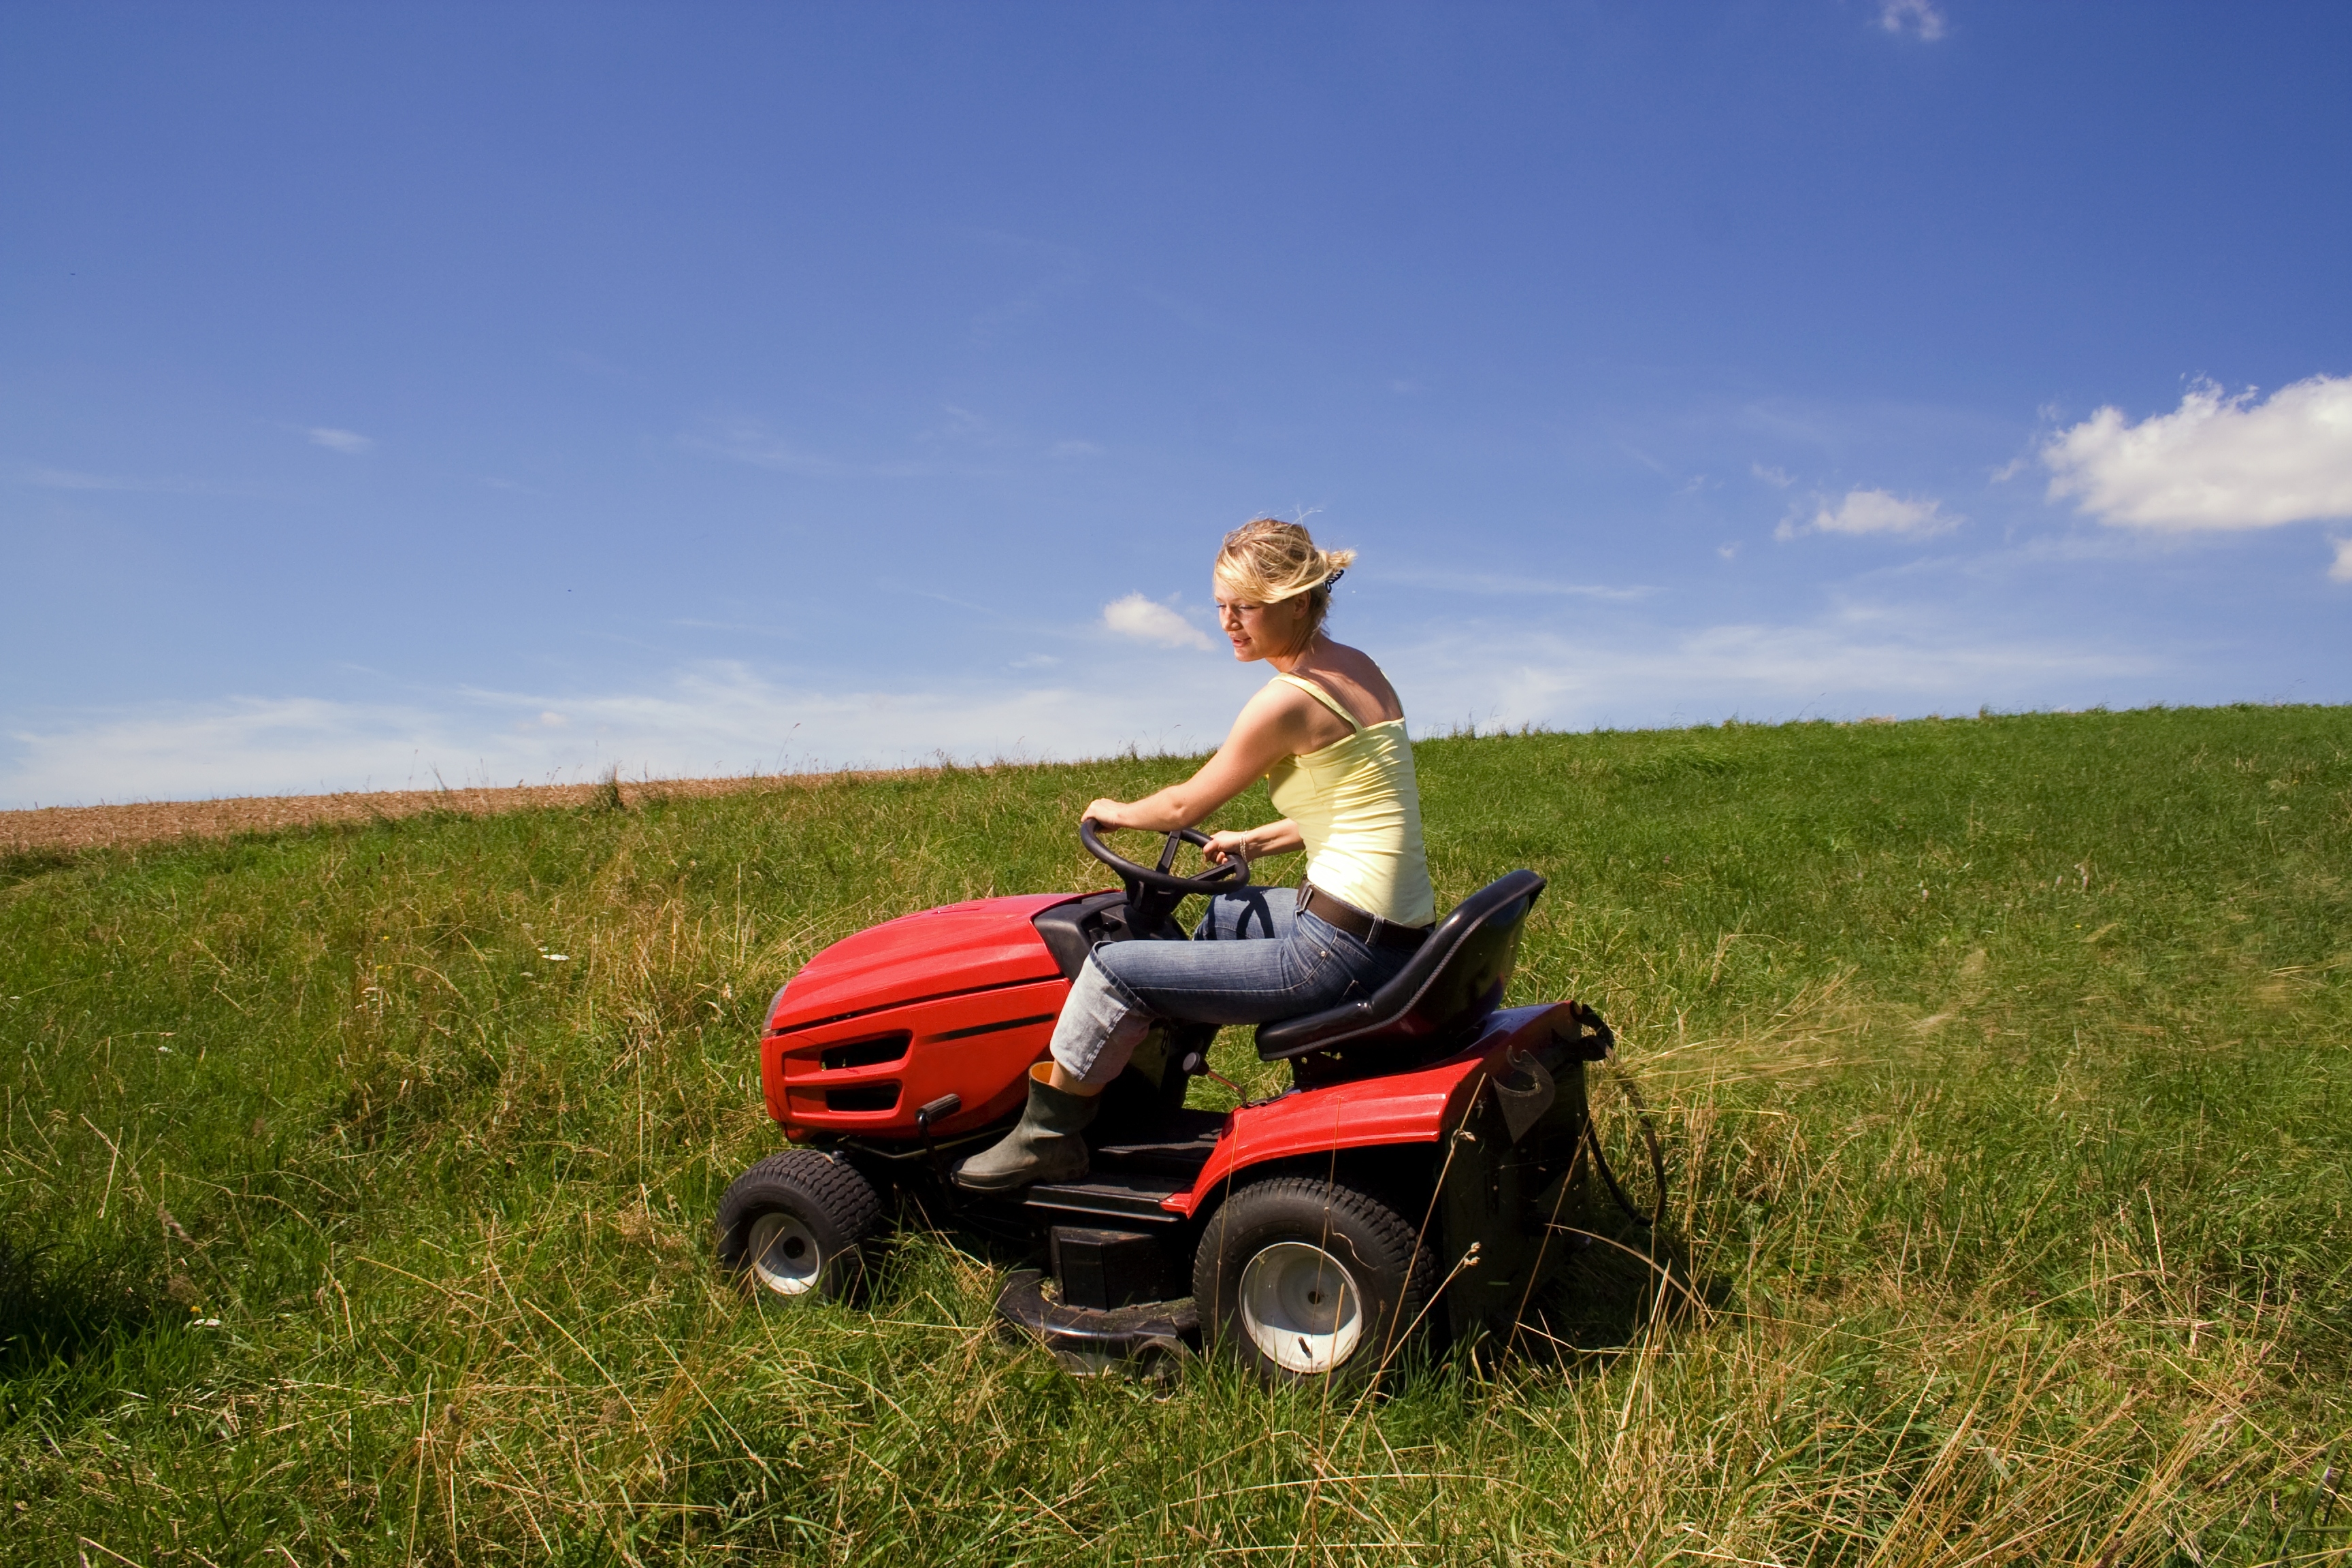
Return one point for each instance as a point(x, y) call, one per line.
point(825, 1190)
point(1387, 1228)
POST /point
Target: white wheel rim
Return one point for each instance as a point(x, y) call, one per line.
point(785, 1255)
point(1300, 1307)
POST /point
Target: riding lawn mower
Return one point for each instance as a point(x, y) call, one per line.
point(1420, 1174)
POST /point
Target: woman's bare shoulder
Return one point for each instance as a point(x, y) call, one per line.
point(1349, 674)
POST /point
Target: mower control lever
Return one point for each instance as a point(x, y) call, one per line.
point(939, 1110)
point(1195, 1064)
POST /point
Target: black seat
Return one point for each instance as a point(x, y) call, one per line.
point(1438, 998)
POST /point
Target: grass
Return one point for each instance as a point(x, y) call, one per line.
point(2003, 1065)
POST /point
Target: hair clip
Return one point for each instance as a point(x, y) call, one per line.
point(1335, 576)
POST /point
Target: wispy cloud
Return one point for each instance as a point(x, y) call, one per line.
point(70, 479)
point(1146, 620)
point(1919, 19)
point(1776, 478)
point(2215, 462)
point(350, 443)
point(1056, 268)
point(1514, 587)
point(1877, 512)
point(2341, 571)
point(749, 441)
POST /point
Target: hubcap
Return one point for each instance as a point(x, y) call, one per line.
point(784, 1256)
point(1300, 1307)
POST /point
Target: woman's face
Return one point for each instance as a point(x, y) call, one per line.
point(1261, 631)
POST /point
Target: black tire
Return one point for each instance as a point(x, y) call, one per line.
point(793, 1225)
point(1263, 1280)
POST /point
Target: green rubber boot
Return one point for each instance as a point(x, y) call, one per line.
point(1046, 1145)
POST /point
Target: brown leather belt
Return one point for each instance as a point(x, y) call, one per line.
point(1364, 928)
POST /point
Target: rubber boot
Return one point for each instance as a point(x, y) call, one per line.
point(1046, 1146)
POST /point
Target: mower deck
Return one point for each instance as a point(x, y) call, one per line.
point(1149, 1337)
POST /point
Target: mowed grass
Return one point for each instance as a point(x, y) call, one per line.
point(2005, 1069)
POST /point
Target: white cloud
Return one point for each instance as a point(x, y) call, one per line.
point(1877, 512)
point(1146, 620)
point(717, 720)
point(351, 443)
point(2216, 462)
point(1917, 17)
point(1776, 478)
point(1864, 659)
point(722, 719)
point(2341, 572)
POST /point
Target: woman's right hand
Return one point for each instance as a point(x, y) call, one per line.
point(1225, 846)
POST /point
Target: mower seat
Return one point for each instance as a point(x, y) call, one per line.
point(1442, 996)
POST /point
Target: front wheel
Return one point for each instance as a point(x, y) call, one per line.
point(1304, 1278)
point(792, 1226)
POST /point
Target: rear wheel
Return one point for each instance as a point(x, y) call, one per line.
point(1304, 1279)
point(793, 1224)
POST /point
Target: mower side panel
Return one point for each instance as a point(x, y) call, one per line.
point(1499, 1200)
point(946, 951)
point(888, 1064)
point(1408, 1108)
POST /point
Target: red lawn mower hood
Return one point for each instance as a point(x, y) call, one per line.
point(952, 951)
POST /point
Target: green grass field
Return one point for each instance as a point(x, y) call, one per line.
point(2005, 1066)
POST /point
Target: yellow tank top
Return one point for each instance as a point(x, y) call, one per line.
point(1360, 811)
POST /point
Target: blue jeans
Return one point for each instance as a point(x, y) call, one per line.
point(1252, 959)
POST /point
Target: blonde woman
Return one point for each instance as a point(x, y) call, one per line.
point(1328, 734)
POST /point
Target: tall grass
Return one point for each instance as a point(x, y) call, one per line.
point(357, 1183)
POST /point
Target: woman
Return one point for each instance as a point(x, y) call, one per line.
point(1328, 734)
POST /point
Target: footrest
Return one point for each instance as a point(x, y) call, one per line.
point(1113, 1195)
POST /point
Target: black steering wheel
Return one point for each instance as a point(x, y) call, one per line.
point(1225, 878)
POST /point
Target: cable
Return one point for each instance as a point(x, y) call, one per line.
point(1657, 1158)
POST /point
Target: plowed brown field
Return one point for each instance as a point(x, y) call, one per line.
point(93, 827)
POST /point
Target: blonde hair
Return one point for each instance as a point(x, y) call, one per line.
point(1266, 561)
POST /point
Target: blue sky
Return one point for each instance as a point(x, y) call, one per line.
point(505, 392)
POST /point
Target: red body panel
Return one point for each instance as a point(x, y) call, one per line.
point(950, 951)
point(941, 985)
point(1404, 1107)
point(987, 1065)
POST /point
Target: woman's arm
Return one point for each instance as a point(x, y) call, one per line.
point(1255, 844)
point(1267, 730)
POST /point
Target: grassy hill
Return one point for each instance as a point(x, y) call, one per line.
point(355, 1182)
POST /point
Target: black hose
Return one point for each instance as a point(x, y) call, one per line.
point(1657, 1159)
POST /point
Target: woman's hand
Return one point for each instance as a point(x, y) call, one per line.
point(1109, 814)
point(1266, 839)
point(1225, 846)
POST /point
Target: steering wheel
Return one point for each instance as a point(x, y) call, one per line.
point(1225, 878)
